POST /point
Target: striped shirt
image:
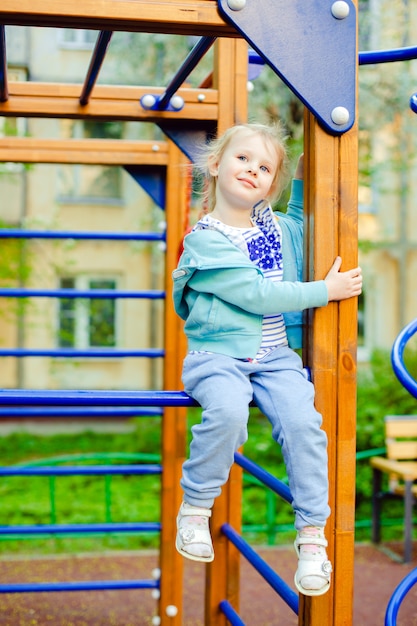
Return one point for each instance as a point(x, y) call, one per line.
point(262, 244)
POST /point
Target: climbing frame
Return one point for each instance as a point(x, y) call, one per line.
point(331, 206)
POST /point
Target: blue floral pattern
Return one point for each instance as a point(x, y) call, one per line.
point(265, 250)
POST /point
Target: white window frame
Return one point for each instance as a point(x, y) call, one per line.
point(82, 319)
point(80, 41)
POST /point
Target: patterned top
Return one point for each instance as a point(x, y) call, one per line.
point(262, 244)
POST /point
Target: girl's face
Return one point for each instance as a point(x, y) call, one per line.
point(246, 171)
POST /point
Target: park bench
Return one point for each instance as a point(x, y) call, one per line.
point(400, 466)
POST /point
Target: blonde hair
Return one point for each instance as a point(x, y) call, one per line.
point(214, 150)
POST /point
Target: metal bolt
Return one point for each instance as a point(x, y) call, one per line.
point(340, 116)
point(236, 5)
point(340, 9)
point(177, 102)
point(171, 610)
point(148, 101)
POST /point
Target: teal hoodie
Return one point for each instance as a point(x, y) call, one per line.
point(223, 296)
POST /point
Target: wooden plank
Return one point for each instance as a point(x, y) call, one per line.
point(83, 151)
point(174, 420)
point(406, 450)
point(186, 17)
point(404, 426)
point(404, 469)
point(222, 582)
point(55, 100)
point(331, 192)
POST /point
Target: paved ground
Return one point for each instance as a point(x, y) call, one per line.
point(376, 576)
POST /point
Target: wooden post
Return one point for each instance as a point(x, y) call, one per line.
point(174, 419)
point(331, 174)
point(222, 580)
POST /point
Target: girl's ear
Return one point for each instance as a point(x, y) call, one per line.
point(213, 165)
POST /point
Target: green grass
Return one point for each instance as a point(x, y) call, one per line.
point(82, 499)
point(79, 499)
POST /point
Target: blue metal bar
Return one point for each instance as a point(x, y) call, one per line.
point(95, 585)
point(81, 470)
point(151, 353)
point(280, 586)
point(199, 50)
point(227, 610)
point(4, 92)
point(413, 102)
point(94, 411)
point(397, 358)
point(369, 57)
point(17, 233)
point(265, 477)
point(388, 56)
point(53, 529)
point(96, 62)
point(64, 397)
point(398, 596)
point(80, 293)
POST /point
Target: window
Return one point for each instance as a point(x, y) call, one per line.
point(87, 322)
point(92, 184)
point(77, 38)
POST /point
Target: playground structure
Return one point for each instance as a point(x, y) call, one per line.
point(330, 137)
point(407, 380)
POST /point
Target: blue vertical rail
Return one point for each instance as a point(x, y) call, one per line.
point(397, 358)
point(196, 54)
point(96, 62)
point(4, 92)
point(405, 378)
point(398, 596)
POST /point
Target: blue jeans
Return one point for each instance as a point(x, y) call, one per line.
point(224, 387)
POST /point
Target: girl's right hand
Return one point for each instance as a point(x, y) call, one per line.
point(343, 285)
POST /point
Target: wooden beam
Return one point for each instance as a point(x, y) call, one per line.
point(331, 193)
point(186, 17)
point(223, 574)
point(84, 151)
point(55, 100)
point(174, 422)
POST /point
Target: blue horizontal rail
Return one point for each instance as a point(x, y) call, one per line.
point(151, 353)
point(96, 585)
point(93, 411)
point(110, 294)
point(276, 582)
point(388, 56)
point(63, 397)
point(55, 529)
point(265, 477)
point(17, 233)
point(93, 470)
point(366, 57)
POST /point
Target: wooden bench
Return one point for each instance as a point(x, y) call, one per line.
point(400, 465)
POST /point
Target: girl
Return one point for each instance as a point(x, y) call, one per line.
point(238, 287)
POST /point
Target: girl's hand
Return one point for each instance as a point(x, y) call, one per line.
point(342, 285)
